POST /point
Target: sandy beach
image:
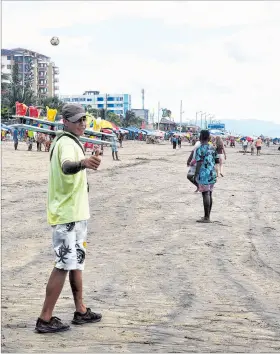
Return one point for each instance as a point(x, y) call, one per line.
point(163, 282)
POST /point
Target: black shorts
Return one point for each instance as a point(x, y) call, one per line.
point(259, 148)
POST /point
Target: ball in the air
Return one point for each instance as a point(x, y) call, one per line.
point(55, 41)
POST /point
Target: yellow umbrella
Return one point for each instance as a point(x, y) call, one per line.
point(106, 125)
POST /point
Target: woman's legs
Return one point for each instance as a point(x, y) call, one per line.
point(217, 169)
point(221, 167)
point(193, 181)
point(207, 204)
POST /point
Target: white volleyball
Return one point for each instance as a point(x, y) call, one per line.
point(55, 41)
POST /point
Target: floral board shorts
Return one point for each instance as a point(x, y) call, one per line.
point(69, 243)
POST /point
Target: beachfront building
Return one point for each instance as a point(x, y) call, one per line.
point(142, 113)
point(118, 103)
point(33, 66)
point(167, 125)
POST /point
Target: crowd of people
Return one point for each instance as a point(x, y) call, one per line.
point(206, 162)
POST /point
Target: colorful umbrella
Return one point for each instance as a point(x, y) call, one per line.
point(115, 127)
point(105, 124)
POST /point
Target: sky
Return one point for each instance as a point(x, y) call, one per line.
point(219, 57)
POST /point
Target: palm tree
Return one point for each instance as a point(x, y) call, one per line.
point(131, 119)
point(5, 82)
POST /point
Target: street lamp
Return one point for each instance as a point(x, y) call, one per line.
point(196, 117)
point(211, 119)
point(205, 122)
point(181, 114)
point(201, 118)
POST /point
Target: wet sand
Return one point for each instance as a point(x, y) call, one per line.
point(162, 282)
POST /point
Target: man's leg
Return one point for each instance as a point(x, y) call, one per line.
point(76, 282)
point(82, 314)
point(53, 290)
point(113, 155)
point(117, 156)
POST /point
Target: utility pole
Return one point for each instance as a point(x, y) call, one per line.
point(201, 119)
point(105, 113)
point(205, 121)
point(158, 113)
point(211, 119)
point(181, 114)
point(196, 114)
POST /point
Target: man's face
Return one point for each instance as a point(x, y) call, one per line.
point(77, 128)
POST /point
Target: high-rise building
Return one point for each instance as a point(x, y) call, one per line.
point(142, 113)
point(36, 67)
point(118, 103)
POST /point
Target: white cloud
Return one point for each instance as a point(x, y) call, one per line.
point(233, 74)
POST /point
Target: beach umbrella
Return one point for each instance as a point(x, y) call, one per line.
point(105, 124)
point(107, 131)
point(115, 127)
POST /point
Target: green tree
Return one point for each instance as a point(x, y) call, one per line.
point(95, 112)
point(14, 92)
point(28, 95)
point(131, 119)
point(18, 90)
point(52, 102)
point(114, 118)
point(5, 84)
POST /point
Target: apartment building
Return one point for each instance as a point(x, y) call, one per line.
point(33, 66)
point(142, 113)
point(116, 103)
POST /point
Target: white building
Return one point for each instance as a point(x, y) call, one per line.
point(116, 103)
point(142, 113)
point(44, 80)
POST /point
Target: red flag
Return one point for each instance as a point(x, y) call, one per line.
point(21, 109)
point(33, 112)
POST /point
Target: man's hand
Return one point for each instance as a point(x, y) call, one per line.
point(92, 162)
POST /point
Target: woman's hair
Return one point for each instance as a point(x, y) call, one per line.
point(204, 135)
point(219, 142)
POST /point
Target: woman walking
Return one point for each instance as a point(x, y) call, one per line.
point(221, 155)
point(205, 172)
point(174, 141)
point(192, 164)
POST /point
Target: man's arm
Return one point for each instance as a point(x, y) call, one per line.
point(71, 168)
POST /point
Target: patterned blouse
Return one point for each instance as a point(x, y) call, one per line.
point(206, 154)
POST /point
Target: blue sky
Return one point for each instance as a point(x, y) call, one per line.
point(218, 57)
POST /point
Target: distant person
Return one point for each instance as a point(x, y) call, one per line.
point(30, 139)
point(179, 142)
point(221, 155)
point(205, 173)
point(114, 148)
point(252, 145)
point(245, 146)
point(15, 137)
point(259, 146)
point(174, 142)
point(120, 138)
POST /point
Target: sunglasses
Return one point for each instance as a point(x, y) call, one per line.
point(81, 120)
